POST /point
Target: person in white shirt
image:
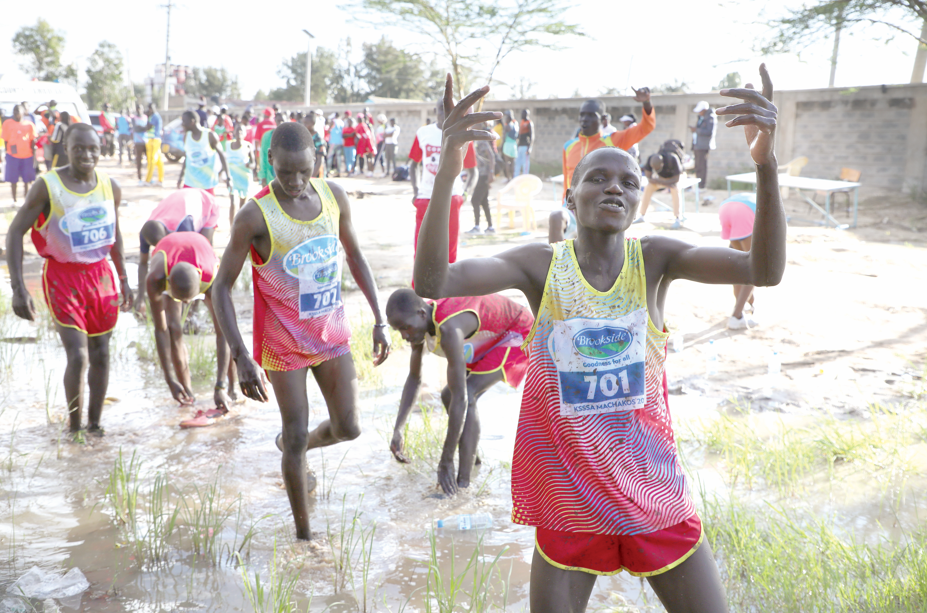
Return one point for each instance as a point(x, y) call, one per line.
point(390, 140)
point(629, 121)
point(607, 128)
point(426, 152)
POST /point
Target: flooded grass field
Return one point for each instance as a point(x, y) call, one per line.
point(806, 510)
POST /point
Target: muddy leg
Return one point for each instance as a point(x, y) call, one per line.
point(290, 390)
point(477, 384)
point(75, 347)
point(555, 590)
point(337, 381)
point(98, 377)
point(692, 587)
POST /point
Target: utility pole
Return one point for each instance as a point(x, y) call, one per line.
point(167, 57)
point(920, 59)
point(308, 70)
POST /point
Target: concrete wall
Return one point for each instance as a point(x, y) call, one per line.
point(881, 131)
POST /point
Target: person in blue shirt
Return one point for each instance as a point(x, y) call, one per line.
point(336, 144)
point(124, 134)
point(153, 145)
point(139, 135)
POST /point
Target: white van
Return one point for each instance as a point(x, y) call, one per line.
point(37, 94)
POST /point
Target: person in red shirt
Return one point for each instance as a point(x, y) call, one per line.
point(426, 152)
point(266, 125)
point(109, 130)
point(349, 134)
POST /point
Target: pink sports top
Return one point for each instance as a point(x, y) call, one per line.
point(192, 248)
point(594, 450)
point(186, 210)
point(80, 228)
point(502, 323)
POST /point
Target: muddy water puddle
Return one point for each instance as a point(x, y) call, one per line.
point(371, 517)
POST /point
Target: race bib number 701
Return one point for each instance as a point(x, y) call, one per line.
point(600, 363)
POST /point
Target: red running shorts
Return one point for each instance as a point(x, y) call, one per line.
point(81, 296)
point(642, 555)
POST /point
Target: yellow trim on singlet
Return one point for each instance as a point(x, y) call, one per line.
point(479, 322)
point(322, 196)
point(501, 367)
point(589, 571)
point(105, 184)
point(568, 245)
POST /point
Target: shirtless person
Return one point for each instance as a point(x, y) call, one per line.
point(481, 338)
point(291, 229)
point(73, 213)
point(595, 467)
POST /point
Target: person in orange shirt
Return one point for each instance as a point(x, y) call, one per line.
point(19, 137)
point(589, 139)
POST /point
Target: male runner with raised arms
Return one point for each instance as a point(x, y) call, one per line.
point(595, 467)
point(292, 229)
point(73, 213)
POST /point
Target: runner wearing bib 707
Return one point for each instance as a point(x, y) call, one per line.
point(298, 232)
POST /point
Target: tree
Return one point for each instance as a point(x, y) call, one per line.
point(676, 87)
point(104, 77)
point(461, 28)
point(730, 80)
point(293, 72)
point(805, 26)
point(524, 89)
point(212, 82)
point(42, 47)
point(390, 72)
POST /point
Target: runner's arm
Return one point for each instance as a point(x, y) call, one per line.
point(35, 204)
point(452, 344)
point(142, 278)
point(360, 270)
point(220, 394)
point(118, 255)
point(168, 335)
point(183, 168)
point(214, 142)
point(523, 267)
point(247, 227)
point(764, 264)
point(409, 393)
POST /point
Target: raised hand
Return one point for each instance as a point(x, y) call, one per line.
point(458, 121)
point(642, 94)
point(758, 115)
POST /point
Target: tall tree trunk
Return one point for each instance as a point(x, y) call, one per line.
point(833, 58)
point(920, 60)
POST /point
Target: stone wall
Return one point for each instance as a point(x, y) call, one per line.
point(881, 131)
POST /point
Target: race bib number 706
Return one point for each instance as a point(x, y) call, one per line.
point(600, 363)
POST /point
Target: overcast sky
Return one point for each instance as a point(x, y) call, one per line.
point(628, 43)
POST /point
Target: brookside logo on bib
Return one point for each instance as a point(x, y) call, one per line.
point(317, 264)
point(90, 226)
point(600, 363)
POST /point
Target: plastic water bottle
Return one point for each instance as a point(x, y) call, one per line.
point(774, 369)
point(711, 360)
point(475, 521)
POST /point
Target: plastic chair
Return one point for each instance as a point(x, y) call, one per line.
point(793, 169)
point(524, 188)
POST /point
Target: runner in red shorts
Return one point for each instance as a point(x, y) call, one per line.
point(595, 467)
point(73, 215)
point(481, 337)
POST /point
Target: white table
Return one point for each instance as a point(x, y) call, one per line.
point(683, 184)
point(803, 184)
